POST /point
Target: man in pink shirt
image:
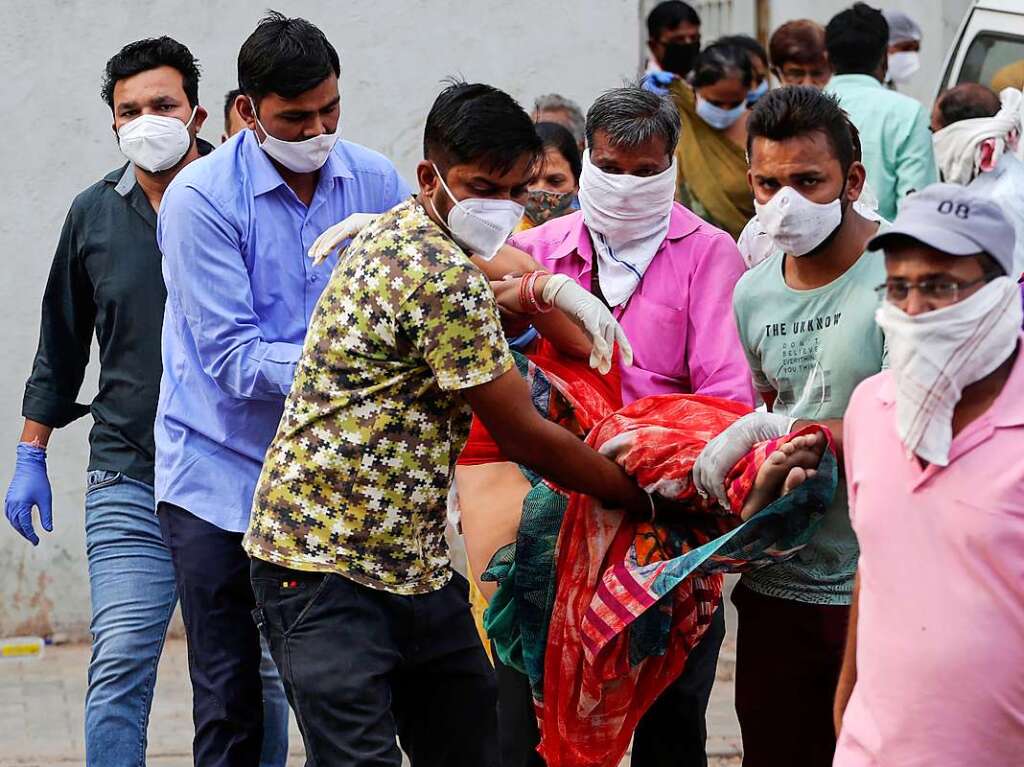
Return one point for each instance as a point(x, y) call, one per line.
point(668, 277)
point(934, 453)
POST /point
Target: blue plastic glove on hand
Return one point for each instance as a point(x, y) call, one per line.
point(29, 487)
point(657, 82)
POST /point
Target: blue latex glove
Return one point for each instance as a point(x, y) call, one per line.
point(657, 82)
point(29, 487)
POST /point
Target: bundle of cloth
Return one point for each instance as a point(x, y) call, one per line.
point(600, 610)
point(987, 154)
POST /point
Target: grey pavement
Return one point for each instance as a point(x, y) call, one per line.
point(41, 710)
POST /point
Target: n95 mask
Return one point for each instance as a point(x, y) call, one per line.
point(796, 225)
point(481, 225)
point(155, 142)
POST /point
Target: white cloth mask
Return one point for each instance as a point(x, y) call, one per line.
point(155, 142)
point(628, 217)
point(298, 156)
point(719, 118)
point(958, 146)
point(796, 225)
point(934, 355)
point(481, 225)
point(903, 65)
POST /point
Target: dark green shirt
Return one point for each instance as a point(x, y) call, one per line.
point(105, 279)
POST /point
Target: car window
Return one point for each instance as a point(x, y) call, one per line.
point(995, 60)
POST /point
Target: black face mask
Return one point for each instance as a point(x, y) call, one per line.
point(678, 58)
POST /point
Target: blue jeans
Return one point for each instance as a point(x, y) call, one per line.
point(131, 581)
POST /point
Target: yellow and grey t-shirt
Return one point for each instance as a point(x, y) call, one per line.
point(356, 479)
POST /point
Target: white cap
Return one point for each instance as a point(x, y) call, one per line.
point(901, 27)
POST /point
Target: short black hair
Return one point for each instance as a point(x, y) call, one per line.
point(559, 138)
point(747, 43)
point(473, 122)
point(229, 102)
point(285, 56)
point(857, 40)
point(798, 110)
point(151, 53)
point(719, 61)
point(967, 101)
point(669, 15)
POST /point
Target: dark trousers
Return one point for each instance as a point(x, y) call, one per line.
point(360, 664)
point(212, 574)
point(788, 657)
point(672, 733)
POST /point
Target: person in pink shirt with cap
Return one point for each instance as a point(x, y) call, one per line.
point(934, 454)
point(668, 277)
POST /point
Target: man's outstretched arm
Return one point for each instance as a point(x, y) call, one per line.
point(505, 408)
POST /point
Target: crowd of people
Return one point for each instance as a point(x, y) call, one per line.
point(758, 313)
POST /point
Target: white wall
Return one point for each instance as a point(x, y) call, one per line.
point(57, 140)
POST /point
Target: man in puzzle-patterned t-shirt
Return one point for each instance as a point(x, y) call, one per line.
point(365, 618)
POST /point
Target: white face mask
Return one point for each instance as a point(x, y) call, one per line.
point(903, 65)
point(298, 156)
point(631, 214)
point(155, 142)
point(623, 207)
point(934, 355)
point(480, 225)
point(796, 225)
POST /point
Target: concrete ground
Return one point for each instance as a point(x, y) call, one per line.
point(41, 710)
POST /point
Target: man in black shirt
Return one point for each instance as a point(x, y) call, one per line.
point(106, 279)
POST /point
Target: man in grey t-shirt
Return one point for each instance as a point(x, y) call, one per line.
point(806, 321)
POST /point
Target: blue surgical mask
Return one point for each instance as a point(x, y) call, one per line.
point(716, 117)
point(757, 93)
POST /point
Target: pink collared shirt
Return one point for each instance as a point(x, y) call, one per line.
point(940, 632)
point(679, 320)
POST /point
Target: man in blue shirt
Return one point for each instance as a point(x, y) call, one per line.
point(896, 144)
point(234, 231)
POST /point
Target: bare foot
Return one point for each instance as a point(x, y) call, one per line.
point(784, 470)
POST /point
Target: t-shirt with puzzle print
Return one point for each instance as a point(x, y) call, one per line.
point(356, 479)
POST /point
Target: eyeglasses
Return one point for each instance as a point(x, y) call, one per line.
point(939, 290)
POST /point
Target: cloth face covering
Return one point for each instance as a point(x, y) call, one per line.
point(480, 225)
point(542, 205)
point(796, 225)
point(958, 146)
point(298, 156)
point(934, 355)
point(903, 65)
point(628, 217)
point(719, 118)
point(155, 142)
point(679, 58)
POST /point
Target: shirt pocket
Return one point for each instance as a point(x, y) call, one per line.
point(658, 334)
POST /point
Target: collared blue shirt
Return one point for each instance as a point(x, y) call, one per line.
point(240, 292)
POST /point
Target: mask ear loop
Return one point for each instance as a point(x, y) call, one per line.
point(451, 197)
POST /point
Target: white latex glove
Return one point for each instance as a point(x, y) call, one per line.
point(587, 311)
point(725, 450)
point(334, 236)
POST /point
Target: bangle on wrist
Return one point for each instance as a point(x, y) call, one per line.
point(542, 306)
point(524, 295)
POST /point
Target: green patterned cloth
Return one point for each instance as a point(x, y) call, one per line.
point(356, 479)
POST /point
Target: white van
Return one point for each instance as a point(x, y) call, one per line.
point(989, 47)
